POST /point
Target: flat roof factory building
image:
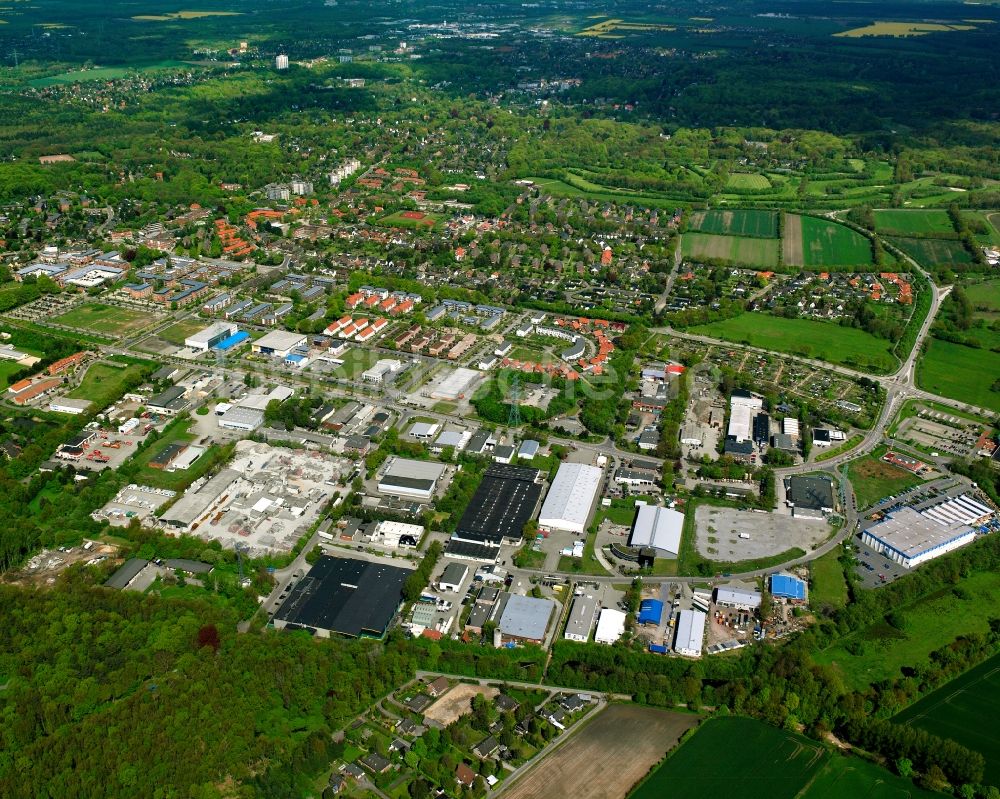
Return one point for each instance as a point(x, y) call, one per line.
point(571, 498)
point(610, 626)
point(411, 479)
point(809, 497)
point(504, 501)
point(526, 619)
point(342, 596)
point(278, 343)
point(581, 618)
point(658, 528)
point(910, 537)
point(690, 633)
point(204, 340)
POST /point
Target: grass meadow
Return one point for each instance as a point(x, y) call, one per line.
point(808, 337)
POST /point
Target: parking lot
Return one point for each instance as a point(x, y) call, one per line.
point(873, 569)
point(728, 534)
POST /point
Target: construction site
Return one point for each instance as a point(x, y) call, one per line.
point(263, 500)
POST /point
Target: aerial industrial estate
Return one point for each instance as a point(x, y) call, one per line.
point(519, 401)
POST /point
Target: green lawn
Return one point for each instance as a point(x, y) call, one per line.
point(913, 222)
point(734, 249)
point(887, 650)
point(175, 334)
point(106, 319)
point(825, 244)
point(763, 224)
point(957, 710)
point(761, 762)
point(874, 479)
point(959, 372)
point(104, 383)
point(7, 370)
point(829, 586)
point(809, 337)
point(355, 361)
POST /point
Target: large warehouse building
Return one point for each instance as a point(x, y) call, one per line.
point(581, 618)
point(658, 528)
point(342, 596)
point(571, 497)
point(910, 537)
point(743, 406)
point(809, 497)
point(526, 619)
point(204, 340)
point(504, 500)
point(690, 633)
point(278, 343)
point(410, 479)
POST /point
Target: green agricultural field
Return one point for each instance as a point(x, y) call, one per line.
point(933, 252)
point(818, 243)
point(105, 319)
point(874, 479)
point(959, 372)
point(760, 762)
point(848, 346)
point(829, 586)
point(913, 223)
point(853, 778)
point(885, 650)
point(759, 224)
point(957, 709)
point(104, 383)
point(735, 249)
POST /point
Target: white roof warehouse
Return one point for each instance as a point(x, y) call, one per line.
point(571, 498)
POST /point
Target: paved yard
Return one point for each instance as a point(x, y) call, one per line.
point(719, 529)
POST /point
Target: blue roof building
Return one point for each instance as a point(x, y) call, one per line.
point(650, 611)
point(786, 586)
point(232, 341)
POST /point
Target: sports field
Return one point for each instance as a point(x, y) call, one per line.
point(813, 242)
point(744, 180)
point(874, 479)
point(884, 650)
point(734, 249)
point(959, 372)
point(849, 346)
point(958, 709)
point(633, 738)
point(105, 319)
point(933, 252)
point(913, 223)
point(732, 756)
point(760, 224)
point(412, 220)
